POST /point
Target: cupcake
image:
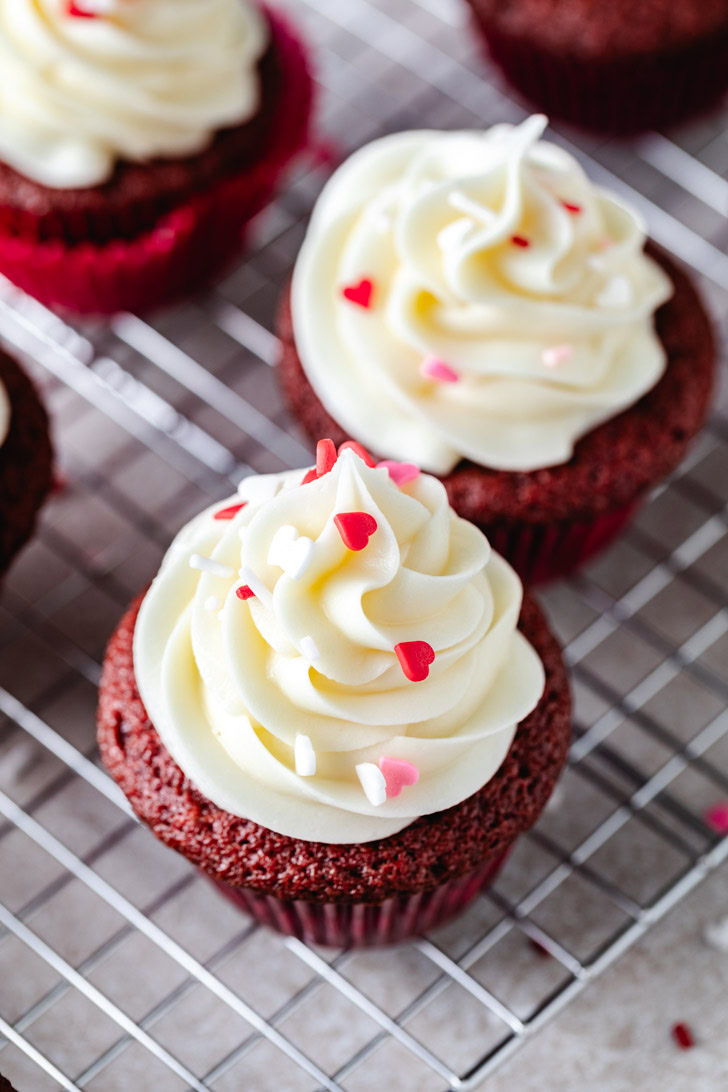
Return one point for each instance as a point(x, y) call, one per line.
point(25, 459)
point(137, 139)
point(619, 67)
point(471, 303)
point(335, 702)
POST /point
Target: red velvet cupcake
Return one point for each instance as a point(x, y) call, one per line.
point(25, 459)
point(335, 702)
point(138, 141)
point(619, 67)
point(470, 302)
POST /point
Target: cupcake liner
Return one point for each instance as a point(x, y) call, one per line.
point(359, 925)
point(189, 245)
point(619, 96)
point(543, 552)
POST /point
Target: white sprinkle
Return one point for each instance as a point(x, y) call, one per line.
point(207, 565)
point(256, 585)
point(257, 488)
point(305, 756)
point(617, 293)
point(556, 355)
point(212, 603)
point(373, 782)
point(463, 203)
point(716, 934)
point(309, 649)
point(290, 551)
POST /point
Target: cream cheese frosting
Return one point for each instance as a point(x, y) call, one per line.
point(473, 295)
point(5, 412)
point(133, 79)
point(270, 653)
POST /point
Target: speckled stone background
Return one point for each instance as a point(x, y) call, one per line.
point(119, 967)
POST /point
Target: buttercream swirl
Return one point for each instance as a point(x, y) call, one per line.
point(492, 254)
point(143, 78)
point(230, 685)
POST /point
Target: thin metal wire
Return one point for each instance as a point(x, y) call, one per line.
point(119, 372)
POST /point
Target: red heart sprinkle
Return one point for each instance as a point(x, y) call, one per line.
point(74, 9)
point(683, 1036)
point(415, 658)
point(360, 294)
point(325, 457)
point(352, 445)
point(244, 592)
point(518, 240)
point(570, 207)
point(229, 513)
point(309, 476)
point(355, 528)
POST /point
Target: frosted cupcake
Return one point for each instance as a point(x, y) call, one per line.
point(25, 459)
point(137, 139)
point(326, 702)
point(472, 303)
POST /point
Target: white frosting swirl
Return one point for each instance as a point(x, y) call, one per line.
point(5, 412)
point(145, 78)
point(229, 685)
point(545, 312)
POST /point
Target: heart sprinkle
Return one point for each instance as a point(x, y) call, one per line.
point(373, 782)
point(556, 355)
point(325, 457)
point(683, 1036)
point(352, 445)
point(245, 592)
point(309, 476)
point(570, 207)
point(434, 368)
point(518, 240)
point(290, 551)
point(309, 649)
point(355, 528)
point(90, 9)
point(716, 817)
point(231, 512)
point(207, 565)
point(304, 756)
point(400, 473)
point(415, 658)
point(360, 294)
point(398, 774)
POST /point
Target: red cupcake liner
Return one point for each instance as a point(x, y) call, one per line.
point(188, 246)
point(619, 96)
point(543, 552)
point(360, 925)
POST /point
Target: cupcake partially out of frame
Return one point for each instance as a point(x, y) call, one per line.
point(137, 140)
point(619, 67)
point(471, 303)
point(334, 700)
point(25, 459)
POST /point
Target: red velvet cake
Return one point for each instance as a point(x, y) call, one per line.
point(396, 860)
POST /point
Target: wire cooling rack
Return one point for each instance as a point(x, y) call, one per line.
point(120, 967)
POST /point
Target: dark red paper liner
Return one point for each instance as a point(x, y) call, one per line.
point(360, 925)
point(620, 96)
point(189, 245)
point(540, 553)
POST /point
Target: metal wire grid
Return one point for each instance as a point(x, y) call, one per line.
point(156, 418)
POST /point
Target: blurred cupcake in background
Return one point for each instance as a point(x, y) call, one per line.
point(620, 67)
point(25, 459)
point(471, 303)
point(137, 139)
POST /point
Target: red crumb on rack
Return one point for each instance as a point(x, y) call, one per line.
point(683, 1036)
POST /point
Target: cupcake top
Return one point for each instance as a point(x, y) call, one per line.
point(473, 295)
point(85, 84)
point(336, 656)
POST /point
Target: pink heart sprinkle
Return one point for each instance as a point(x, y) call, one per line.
point(400, 473)
point(415, 658)
point(571, 207)
point(556, 355)
point(244, 592)
point(360, 294)
point(433, 368)
point(716, 817)
point(398, 774)
point(355, 528)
